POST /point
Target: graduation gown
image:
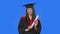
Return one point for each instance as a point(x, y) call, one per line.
point(23, 25)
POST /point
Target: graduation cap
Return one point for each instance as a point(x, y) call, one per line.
point(29, 5)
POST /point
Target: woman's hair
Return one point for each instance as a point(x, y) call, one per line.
point(33, 15)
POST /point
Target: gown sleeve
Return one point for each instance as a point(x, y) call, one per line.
point(21, 26)
point(38, 28)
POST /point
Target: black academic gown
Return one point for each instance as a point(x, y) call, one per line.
point(23, 25)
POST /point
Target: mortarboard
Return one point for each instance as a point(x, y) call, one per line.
point(29, 5)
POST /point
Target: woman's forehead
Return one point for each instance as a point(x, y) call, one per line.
point(29, 8)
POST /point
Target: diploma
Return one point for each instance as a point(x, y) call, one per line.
point(34, 20)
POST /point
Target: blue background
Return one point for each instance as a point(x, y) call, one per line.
point(12, 10)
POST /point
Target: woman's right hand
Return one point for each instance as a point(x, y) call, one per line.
point(26, 29)
point(29, 27)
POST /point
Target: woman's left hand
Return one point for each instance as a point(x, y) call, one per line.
point(36, 23)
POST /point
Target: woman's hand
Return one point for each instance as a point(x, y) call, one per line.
point(35, 25)
point(29, 27)
point(26, 29)
point(36, 22)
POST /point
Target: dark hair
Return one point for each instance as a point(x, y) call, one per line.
point(33, 15)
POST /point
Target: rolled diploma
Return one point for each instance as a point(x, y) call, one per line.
point(34, 20)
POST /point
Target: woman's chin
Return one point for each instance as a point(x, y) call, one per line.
point(30, 13)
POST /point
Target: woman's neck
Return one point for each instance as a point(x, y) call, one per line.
point(30, 17)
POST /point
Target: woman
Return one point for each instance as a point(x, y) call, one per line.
point(25, 23)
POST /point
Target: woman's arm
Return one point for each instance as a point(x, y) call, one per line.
point(21, 26)
point(38, 27)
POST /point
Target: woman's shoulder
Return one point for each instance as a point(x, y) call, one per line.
point(23, 17)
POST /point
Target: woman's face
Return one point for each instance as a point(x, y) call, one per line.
point(29, 11)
